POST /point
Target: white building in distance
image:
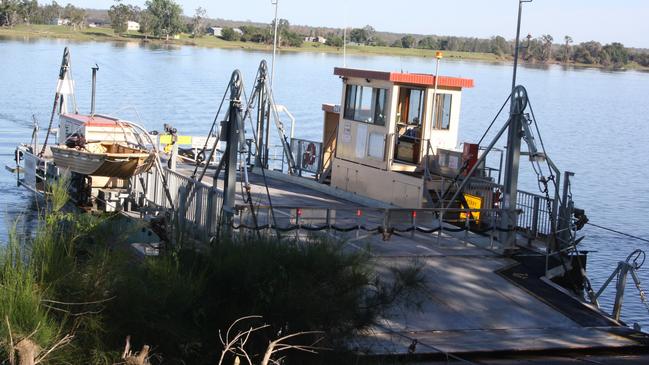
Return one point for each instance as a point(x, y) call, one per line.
point(131, 25)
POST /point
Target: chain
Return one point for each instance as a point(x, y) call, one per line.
point(643, 295)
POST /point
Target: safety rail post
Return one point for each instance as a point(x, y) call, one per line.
point(198, 208)
point(328, 220)
point(359, 214)
point(467, 226)
point(441, 225)
point(386, 222)
point(182, 205)
point(413, 222)
point(493, 230)
point(209, 218)
point(535, 217)
point(298, 214)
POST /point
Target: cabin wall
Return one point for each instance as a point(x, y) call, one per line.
point(329, 133)
point(361, 142)
point(391, 187)
point(446, 139)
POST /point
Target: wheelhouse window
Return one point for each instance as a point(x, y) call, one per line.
point(366, 104)
point(442, 116)
point(411, 106)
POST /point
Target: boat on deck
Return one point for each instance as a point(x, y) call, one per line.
point(108, 157)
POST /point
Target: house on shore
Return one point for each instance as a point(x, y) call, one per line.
point(316, 39)
point(60, 21)
point(131, 25)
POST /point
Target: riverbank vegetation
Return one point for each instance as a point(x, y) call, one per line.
point(162, 21)
point(75, 291)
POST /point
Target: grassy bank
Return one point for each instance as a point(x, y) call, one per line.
point(107, 34)
point(73, 292)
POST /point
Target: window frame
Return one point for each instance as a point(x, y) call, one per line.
point(354, 99)
point(403, 117)
point(438, 114)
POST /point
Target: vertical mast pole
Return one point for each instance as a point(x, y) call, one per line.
point(512, 158)
point(235, 120)
point(94, 90)
point(438, 57)
point(272, 66)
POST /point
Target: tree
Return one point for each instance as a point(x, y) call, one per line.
point(370, 34)
point(566, 48)
point(119, 15)
point(499, 46)
point(198, 22)
point(77, 16)
point(51, 12)
point(428, 43)
point(588, 53)
point(547, 40)
point(166, 16)
point(229, 34)
point(359, 35)
point(407, 41)
point(9, 12)
point(28, 10)
point(616, 54)
point(334, 40)
point(146, 23)
point(283, 26)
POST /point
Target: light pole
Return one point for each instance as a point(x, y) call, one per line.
point(438, 57)
point(272, 65)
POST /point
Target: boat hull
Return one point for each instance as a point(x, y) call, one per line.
point(113, 160)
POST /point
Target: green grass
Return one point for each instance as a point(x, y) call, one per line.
point(77, 275)
point(107, 34)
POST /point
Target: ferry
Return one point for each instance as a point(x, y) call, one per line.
point(505, 274)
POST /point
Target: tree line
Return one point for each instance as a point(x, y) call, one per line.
point(541, 49)
point(13, 12)
point(164, 18)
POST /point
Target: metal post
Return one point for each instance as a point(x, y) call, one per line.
point(535, 216)
point(438, 57)
point(619, 293)
point(272, 66)
point(345, 46)
point(564, 212)
point(94, 88)
point(261, 116)
point(512, 158)
point(232, 150)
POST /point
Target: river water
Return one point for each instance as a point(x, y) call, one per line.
point(593, 122)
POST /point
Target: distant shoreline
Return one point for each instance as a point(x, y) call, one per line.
point(107, 35)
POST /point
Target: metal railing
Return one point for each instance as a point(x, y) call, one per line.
point(198, 205)
point(476, 226)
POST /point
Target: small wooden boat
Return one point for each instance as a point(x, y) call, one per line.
point(103, 159)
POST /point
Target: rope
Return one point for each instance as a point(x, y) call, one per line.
point(619, 232)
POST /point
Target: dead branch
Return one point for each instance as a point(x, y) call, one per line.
point(12, 355)
point(140, 358)
point(278, 345)
point(236, 346)
point(62, 342)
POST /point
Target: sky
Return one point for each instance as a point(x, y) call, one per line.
point(624, 21)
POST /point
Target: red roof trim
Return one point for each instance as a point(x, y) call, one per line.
point(405, 78)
